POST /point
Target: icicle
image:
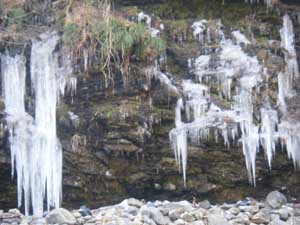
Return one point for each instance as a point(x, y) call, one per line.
point(240, 38)
point(35, 149)
point(201, 66)
point(85, 59)
point(269, 120)
point(269, 3)
point(153, 71)
point(199, 30)
point(250, 142)
point(233, 63)
point(205, 118)
point(288, 128)
point(286, 79)
point(19, 123)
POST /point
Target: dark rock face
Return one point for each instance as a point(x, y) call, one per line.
point(116, 143)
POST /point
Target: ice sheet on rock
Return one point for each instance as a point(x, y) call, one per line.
point(286, 79)
point(153, 71)
point(197, 96)
point(142, 17)
point(240, 38)
point(206, 120)
point(199, 30)
point(13, 76)
point(66, 81)
point(209, 120)
point(267, 2)
point(288, 128)
point(290, 136)
point(201, 66)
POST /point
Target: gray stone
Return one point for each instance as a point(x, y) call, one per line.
point(274, 217)
point(180, 222)
point(204, 204)
point(176, 205)
point(234, 211)
point(88, 217)
point(135, 202)
point(242, 218)
point(77, 214)
point(295, 220)
point(252, 208)
point(296, 210)
point(227, 206)
point(262, 217)
point(147, 220)
point(174, 214)
point(39, 221)
point(216, 220)
point(26, 219)
point(197, 223)
point(155, 215)
point(284, 213)
point(60, 216)
point(132, 210)
point(275, 199)
point(199, 214)
point(188, 217)
point(278, 222)
point(216, 210)
point(15, 212)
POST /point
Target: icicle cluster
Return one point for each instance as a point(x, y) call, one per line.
point(288, 127)
point(153, 71)
point(285, 80)
point(236, 125)
point(35, 150)
point(267, 2)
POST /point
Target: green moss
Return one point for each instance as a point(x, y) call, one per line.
point(71, 34)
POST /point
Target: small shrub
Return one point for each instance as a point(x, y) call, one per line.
point(16, 16)
point(109, 39)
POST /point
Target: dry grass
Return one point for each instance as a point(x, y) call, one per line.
point(83, 14)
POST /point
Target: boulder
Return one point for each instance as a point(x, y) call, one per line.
point(205, 204)
point(295, 220)
point(275, 199)
point(135, 202)
point(60, 216)
point(262, 217)
point(278, 222)
point(214, 219)
point(155, 215)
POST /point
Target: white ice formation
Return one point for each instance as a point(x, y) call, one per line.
point(205, 120)
point(35, 149)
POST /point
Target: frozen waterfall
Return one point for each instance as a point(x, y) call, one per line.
point(289, 127)
point(19, 123)
point(35, 148)
point(47, 171)
point(285, 80)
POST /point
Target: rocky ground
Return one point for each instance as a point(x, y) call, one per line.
point(275, 210)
